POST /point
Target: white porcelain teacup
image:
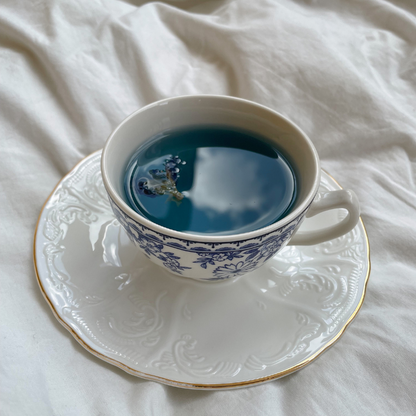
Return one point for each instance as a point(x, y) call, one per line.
point(208, 257)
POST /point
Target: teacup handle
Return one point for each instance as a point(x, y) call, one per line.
point(344, 198)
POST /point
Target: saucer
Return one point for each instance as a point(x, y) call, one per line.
point(131, 313)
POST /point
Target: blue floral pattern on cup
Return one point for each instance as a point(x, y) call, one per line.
point(215, 261)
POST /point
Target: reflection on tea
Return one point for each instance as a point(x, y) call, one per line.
point(210, 180)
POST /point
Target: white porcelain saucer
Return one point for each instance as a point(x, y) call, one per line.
point(129, 312)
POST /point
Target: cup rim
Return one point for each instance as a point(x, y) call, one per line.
point(209, 238)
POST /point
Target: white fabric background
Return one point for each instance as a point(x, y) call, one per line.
point(345, 71)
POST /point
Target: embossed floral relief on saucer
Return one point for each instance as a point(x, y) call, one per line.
point(127, 311)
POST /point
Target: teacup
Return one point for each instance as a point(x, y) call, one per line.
point(209, 257)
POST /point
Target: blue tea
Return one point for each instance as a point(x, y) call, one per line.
point(210, 180)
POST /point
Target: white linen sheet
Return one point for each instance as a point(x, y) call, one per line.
point(344, 71)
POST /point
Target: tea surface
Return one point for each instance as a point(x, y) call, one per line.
point(210, 180)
